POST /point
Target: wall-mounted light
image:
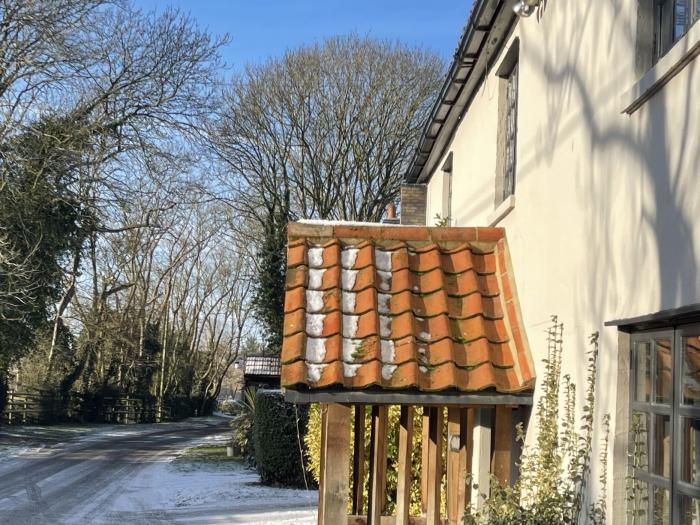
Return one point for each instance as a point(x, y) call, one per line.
point(525, 8)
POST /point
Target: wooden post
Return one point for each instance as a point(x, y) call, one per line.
point(425, 463)
point(335, 451)
point(456, 465)
point(481, 458)
point(377, 467)
point(403, 480)
point(358, 462)
point(322, 460)
point(503, 444)
point(435, 429)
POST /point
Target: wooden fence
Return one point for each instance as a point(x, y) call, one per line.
point(32, 406)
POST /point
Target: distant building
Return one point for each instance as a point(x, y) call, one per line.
point(261, 371)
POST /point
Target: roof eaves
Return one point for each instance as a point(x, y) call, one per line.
point(489, 22)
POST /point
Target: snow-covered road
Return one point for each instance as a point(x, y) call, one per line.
point(127, 475)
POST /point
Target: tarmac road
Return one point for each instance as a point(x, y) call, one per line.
point(74, 483)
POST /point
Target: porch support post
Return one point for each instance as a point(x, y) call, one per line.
point(335, 464)
point(377, 467)
point(434, 465)
point(403, 481)
point(456, 465)
point(481, 457)
point(503, 445)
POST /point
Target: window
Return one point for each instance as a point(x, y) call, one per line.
point(511, 132)
point(507, 139)
point(673, 18)
point(447, 191)
point(664, 427)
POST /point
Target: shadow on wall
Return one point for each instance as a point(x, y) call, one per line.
point(638, 169)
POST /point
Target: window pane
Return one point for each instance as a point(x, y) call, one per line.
point(690, 511)
point(661, 507)
point(691, 370)
point(639, 440)
point(642, 373)
point(679, 21)
point(664, 386)
point(637, 502)
point(662, 445)
point(690, 450)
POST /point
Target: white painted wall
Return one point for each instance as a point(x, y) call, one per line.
point(605, 224)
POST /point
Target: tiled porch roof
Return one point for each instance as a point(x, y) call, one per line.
point(401, 307)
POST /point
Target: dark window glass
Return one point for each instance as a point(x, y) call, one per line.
point(511, 124)
point(673, 20)
point(664, 384)
point(690, 450)
point(690, 511)
point(691, 370)
point(662, 445)
point(642, 376)
point(639, 440)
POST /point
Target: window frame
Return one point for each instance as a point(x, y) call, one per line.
point(675, 409)
point(665, 24)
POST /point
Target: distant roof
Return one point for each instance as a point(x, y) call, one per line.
point(256, 365)
point(426, 309)
point(484, 34)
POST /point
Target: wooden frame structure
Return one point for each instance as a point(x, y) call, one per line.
point(462, 444)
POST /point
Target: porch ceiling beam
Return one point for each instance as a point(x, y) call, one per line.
point(408, 397)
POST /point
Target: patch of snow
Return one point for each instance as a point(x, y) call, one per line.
point(314, 300)
point(348, 278)
point(315, 349)
point(420, 319)
point(350, 347)
point(348, 257)
point(350, 370)
point(388, 371)
point(423, 369)
point(382, 259)
point(314, 324)
point(384, 299)
point(421, 350)
point(412, 253)
point(350, 323)
point(385, 277)
point(416, 289)
point(315, 257)
point(384, 326)
point(314, 371)
point(319, 222)
point(425, 336)
point(316, 278)
point(388, 351)
point(349, 300)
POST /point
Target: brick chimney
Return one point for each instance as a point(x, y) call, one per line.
point(414, 204)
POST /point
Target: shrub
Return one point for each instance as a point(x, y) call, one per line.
point(242, 424)
point(277, 430)
point(553, 475)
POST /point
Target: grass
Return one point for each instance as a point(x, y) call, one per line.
point(206, 456)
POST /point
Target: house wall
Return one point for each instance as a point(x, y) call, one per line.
point(606, 204)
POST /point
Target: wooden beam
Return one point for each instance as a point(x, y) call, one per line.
point(389, 520)
point(409, 397)
point(425, 463)
point(377, 466)
point(456, 465)
point(481, 457)
point(335, 454)
point(358, 461)
point(434, 465)
point(503, 445)
point(403, 481)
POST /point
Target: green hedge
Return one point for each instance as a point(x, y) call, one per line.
point(276, 441)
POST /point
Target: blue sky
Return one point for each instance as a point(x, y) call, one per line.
point(263, 28)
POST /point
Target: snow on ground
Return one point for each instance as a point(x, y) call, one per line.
point(194, 492)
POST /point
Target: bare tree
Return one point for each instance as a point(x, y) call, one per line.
point(325, 131)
